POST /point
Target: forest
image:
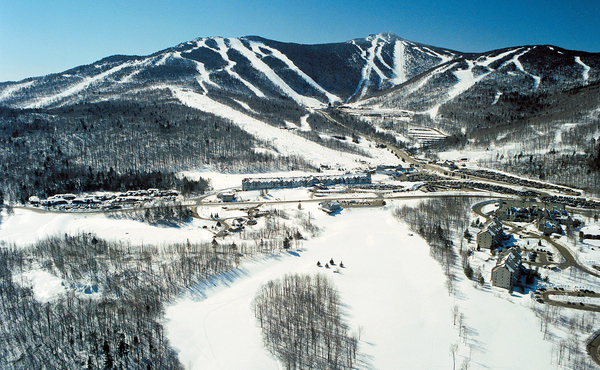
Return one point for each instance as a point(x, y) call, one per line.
point(108, 316)
point(301, 318)
point(121, 145)
point(441, 222)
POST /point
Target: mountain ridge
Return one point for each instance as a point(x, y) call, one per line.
point(382, 86)
point(222, 56)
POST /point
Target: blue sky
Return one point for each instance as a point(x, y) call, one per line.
point(41, 37)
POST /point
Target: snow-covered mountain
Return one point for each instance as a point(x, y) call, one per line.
point(399, 73)
point(253, 86)
point(311, 75)
point(491, 76)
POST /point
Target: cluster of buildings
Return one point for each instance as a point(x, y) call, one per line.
point(589, 233)
point(104, 201)
point(305, 181)
point(549, 217)
point(508, 268)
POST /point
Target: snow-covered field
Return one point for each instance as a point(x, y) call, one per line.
point(390, 287)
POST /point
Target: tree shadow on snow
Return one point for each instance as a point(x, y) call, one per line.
point(200, 290)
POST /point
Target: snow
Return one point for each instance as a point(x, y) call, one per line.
point(497, 97)
point(222, 50)
point(466, 79)
point(27, 226)
point(304, 125)
point(45, 286)
point(261, 66)
point(561, 129)
point(10, 90)
point(444, 58)
point(486, 61)
point(517, 63)
point(256, 48)
point(586, 69)
point(399, 74)
point(592, 229)
point(370, 66)
point(284, 140)
point(377, 253)
point(78, 87)
point(390, 287)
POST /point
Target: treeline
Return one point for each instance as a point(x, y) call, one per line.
point(164, 215)
point(302, 324)
point(571, 161)
point(354, 126)
point(78, 145)
point(60, 180)
point(114, 323)
point(439, 221)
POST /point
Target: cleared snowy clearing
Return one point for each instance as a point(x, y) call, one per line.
point(45, 286)
point(28, 226)
point(80, 86)
point(256, 48)
point(517, 63)
point(8, 91)
point(261, 66)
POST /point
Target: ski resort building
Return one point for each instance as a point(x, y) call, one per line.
point(517, 210)
point(508, 269)
point(330, 207)
point(490, 234)
point(304, 181)
point(590, 232)
point(226, 196)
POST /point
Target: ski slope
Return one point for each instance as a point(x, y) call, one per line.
point(586, 69)
point(285, 141)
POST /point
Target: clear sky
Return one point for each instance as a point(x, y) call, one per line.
point(39, 37)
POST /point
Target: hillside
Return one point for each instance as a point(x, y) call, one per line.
point(128, 237)
point(481, 100)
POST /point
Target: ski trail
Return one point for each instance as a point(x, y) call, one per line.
point(444, 58)
point(466, 78)
point(78, 87)
point(304, 126)
point(399, 73)
point(283, 140)
point(497, 97)
point(276, 53)
point(369, 58)
point(141, 66)
point(586, 69)
point(262, 67)
point(517, 63)
point(222, 51)
point(9, 91)
point(490, 60)
point(203, 75)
